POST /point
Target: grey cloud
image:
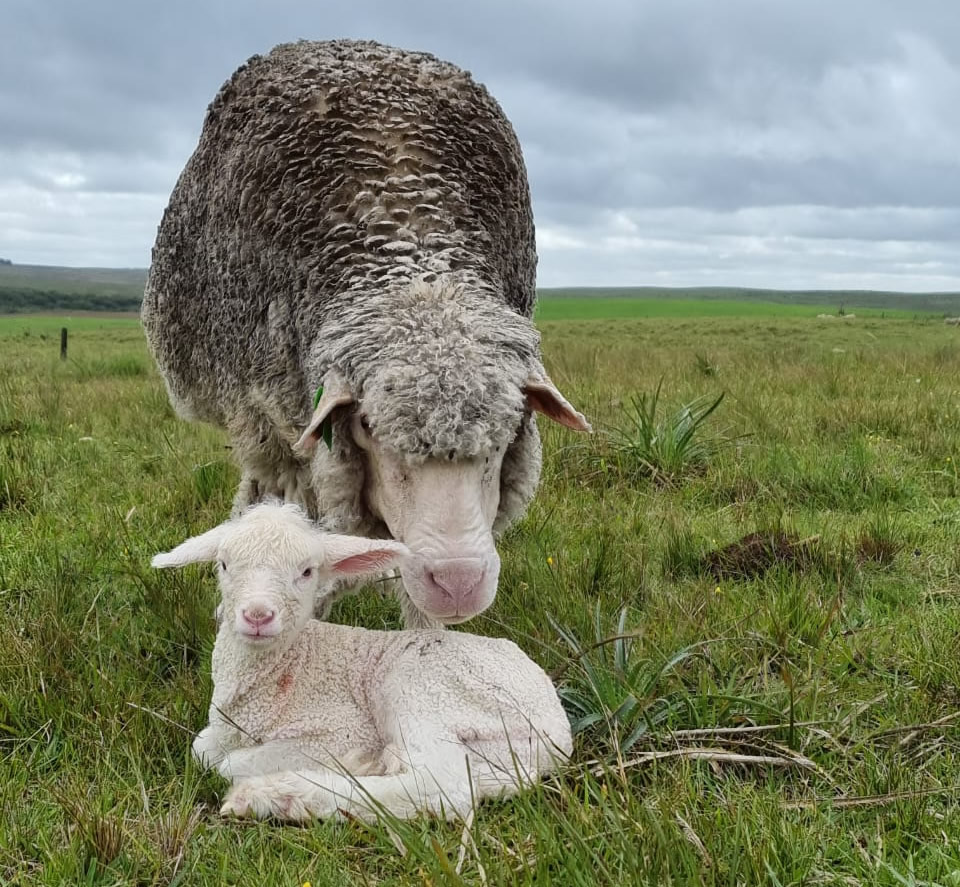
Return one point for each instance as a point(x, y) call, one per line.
point(753, 132)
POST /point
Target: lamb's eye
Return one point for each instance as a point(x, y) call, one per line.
point(365, 423)
point(306, 574)
point(221, 566)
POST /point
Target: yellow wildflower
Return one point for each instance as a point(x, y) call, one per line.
point(717, 590)
point(550, 561)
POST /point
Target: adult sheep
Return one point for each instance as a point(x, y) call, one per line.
point(356, 221)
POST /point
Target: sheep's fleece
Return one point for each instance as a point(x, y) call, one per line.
point(358, 217)
point(309, 718)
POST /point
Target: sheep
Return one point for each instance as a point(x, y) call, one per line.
point(314, 719)
point(344, 280)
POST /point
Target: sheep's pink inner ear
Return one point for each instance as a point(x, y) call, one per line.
point(372, 561)
point(336, 393)
point(543, 397)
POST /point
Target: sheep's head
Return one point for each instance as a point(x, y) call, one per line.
point(433, 415)
point(271, 564)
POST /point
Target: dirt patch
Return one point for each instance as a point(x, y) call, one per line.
point(756, 553)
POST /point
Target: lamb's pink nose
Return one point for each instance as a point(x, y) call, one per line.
point(258, 616)
point(458, 578)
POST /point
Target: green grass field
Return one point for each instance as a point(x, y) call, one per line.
point(573, 308)
point(834, 676)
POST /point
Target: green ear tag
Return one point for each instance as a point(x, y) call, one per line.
point(326, 430)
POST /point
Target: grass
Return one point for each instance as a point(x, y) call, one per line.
point(604, 308)
point(665, 447)
point(795, 724)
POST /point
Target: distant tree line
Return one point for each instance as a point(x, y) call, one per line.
point(5, 262)
point(20, 300)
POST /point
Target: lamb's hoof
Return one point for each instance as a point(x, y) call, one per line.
point(236, 804)
point(248, 801)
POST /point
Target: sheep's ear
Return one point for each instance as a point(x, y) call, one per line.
point(196, 550)
point(336, 392)
point(543, 397)
point(355, 556)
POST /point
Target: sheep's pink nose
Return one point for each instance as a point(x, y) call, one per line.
point(258, 616)
point(458, 578)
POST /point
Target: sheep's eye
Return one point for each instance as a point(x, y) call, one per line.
point(306, 574)
point(365, 423)
point(221, 566)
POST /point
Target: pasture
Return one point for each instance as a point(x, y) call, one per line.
point(782, 715)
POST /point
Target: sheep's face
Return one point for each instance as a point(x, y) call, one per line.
point(272, 563)
point(432, 475)
point(444, 510)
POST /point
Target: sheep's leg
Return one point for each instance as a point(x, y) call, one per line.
point(261, 481)
point(248, 493)
point(270, 470)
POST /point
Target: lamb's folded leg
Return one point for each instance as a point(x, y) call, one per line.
point(445, 791)
point(213, 743)
point(282, 755)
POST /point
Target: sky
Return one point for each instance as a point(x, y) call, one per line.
point(774, 143)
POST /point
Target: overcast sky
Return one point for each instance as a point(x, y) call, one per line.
point(785, 143)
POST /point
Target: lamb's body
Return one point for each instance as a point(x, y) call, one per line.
point(309, 718)
point(357, 217)
point(407, 714)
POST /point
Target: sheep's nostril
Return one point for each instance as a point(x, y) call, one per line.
point(258, 616)
point(438, 583)
point(457, 579)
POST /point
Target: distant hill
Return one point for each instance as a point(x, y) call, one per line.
point(42, 288)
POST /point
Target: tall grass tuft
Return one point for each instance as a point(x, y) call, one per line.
point(665, 446)
point(612, 696)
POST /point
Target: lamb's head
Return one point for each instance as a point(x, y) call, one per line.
point(432, 417)
point(271, 564)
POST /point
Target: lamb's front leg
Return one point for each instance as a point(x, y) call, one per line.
point(292, 754)
point(213, 743)
point(322, 794)
point(270, 757)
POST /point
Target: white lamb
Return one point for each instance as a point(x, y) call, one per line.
point(311, 718)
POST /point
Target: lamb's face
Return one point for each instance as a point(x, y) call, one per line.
point(269, 576)
point(271, 564)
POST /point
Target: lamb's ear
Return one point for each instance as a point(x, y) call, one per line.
point(543, 397)
point(355, 556)
point(193, 551)
point(336, 393)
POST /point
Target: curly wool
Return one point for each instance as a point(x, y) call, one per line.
point(355, 206)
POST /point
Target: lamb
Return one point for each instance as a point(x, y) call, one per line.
point(314, 719)
point(344, 280)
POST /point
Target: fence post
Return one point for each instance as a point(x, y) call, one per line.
point(63, 343)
